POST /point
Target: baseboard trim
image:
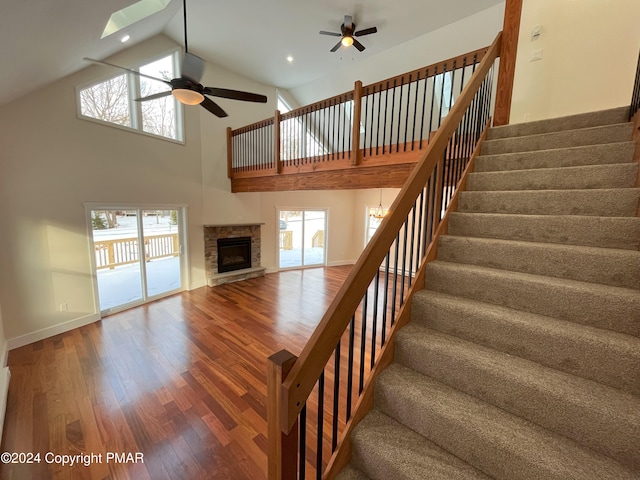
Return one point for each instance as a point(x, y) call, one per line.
point(341, 263)
point(199, 284)
point(38, 335)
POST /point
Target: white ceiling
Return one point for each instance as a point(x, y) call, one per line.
point(44, 40)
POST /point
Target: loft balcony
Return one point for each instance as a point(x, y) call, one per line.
point(370, 137)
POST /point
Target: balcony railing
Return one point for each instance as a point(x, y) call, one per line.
point(370, 125)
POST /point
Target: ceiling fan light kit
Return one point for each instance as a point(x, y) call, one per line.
point(348, 29)
point(187, 88)
point(187, 96)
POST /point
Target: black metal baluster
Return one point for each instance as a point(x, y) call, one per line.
point(393, 107)
point(444, 72)
point(366, 124)
point(320, 430)
point(395, 279)
point(424, 104)
point(404, 261)
point(385, 301)
point(406, 118)
point(384, 131)
point(415, 112)
point(350, 367)
point(433, 97)
point(336, 398)
point(302, 442)
point(419, 247)
point(378, 118)
point(363, 341)
point(374, 324)
point(411, 245)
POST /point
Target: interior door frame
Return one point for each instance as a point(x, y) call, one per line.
point(182, 245)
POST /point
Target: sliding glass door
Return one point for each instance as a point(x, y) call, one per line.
point(138, 255)
point(302, 238)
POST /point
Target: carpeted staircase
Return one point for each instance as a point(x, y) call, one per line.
point(522, 359)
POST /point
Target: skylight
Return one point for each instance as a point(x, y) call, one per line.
point(132, 14)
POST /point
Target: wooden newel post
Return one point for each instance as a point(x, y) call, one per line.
point(282, 447)
point(357, 112)
point(508, 51)
point(229, 153)
point(276, 142)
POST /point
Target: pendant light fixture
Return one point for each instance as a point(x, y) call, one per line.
point(379, 212)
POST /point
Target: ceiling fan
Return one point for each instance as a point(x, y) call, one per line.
point(187, 88)
point(348, 32)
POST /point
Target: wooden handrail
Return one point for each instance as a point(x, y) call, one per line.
point(301, 379)
point(430, 70)
point(320, 105)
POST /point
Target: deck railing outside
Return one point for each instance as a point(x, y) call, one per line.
point(122, 251)
point(312, 398)
point(394, 115)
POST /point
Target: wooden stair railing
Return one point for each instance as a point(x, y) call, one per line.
point(357, 329)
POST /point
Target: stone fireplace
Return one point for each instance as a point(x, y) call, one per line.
point(232, 253)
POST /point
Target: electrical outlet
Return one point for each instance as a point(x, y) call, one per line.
point(536, 55)
point(526, 117)
point(64, 307)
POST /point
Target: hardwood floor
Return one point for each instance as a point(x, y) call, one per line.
point(180, 380)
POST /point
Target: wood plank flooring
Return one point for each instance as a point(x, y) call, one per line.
point(180, 380)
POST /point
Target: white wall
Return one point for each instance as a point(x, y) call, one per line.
point(589, 55)
point(470, 33)
point(53, 162)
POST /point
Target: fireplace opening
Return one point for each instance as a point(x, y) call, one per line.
point(234, 254)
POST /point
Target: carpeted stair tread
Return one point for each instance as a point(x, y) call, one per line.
point(606, 266)
point(606, 232)
point(606, 154)
point(569, 138)
point(384, 449)
point(619, 175)
point(610, 202)
point(604, 356)
point(601, 306)
point(351, 473)
point(572, 122)
point(500, 444)
point(599, 417)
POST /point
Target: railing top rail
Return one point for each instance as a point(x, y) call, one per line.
point(335, 100)
point(254, 126)
point(313, 358)
point(428, 71)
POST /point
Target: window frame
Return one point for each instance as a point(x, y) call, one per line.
point(135, 108)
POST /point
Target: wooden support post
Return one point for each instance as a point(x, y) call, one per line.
point(508, 51)
point(282, 447)
point(357, 111)
point(229, 153)
point(276, 142)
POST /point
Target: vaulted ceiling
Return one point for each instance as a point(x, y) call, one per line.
point(44, 40)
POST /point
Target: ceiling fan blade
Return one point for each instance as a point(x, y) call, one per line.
point(348, 22)
point(213, 107)
point(154, 96)
point(100, 62)
point(337, 46)
point(366, 31)
point(333, 34)
point(235, 94)
point(358, 45)
point(192, 67)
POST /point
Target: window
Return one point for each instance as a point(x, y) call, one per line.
point(113, 100)
point(298, 139)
